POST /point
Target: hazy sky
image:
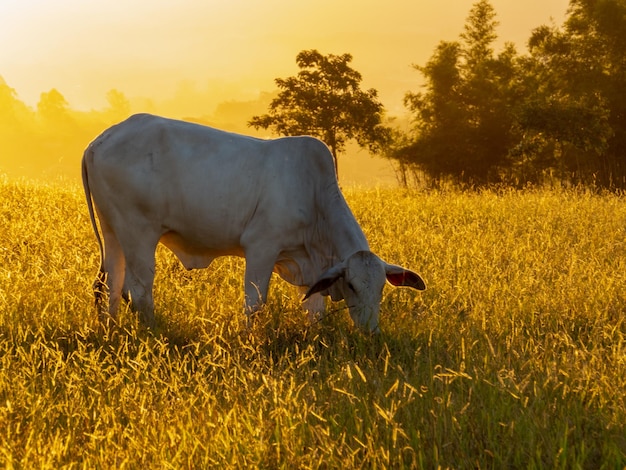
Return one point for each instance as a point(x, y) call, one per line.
point(234, 48)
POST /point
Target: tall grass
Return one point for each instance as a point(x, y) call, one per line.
point(514, 357)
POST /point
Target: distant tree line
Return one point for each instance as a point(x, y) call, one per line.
point(48, 140)
point(557, 113)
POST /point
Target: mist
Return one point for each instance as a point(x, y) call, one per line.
point(45, 142)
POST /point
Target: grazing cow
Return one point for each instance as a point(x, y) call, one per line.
point(205, 193)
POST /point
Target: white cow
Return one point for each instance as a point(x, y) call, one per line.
point(205, 193)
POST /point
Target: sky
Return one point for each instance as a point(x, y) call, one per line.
point(230, 49)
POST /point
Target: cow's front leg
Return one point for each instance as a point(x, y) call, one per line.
point(314, 306)
point(259, 267)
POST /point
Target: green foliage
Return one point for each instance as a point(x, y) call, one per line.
point(579, 104)
point(48, 141)
point(557, 113)
point(463, 123)
point(513, 358)
point(325, 100)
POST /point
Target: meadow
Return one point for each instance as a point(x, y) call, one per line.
point(515, 356)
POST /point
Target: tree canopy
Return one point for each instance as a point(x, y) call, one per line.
point(557, 112)
point(483, 114)
point(325, 100)
point(50, 139)
point(463, 126)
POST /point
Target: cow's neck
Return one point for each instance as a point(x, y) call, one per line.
point(346, 236)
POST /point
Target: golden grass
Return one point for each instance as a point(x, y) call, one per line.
point(514, 357)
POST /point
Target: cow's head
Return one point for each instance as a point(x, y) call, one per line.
point(360, 280)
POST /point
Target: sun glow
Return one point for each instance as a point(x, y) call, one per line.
point(198, 59)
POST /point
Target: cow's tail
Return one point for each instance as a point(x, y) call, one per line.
point(99, 285)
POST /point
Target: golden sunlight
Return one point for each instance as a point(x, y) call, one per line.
point(94, 62)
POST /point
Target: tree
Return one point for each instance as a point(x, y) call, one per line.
point(119, 106)
point(13, 112)
point(325, 100)
point(17, 124)
point(575, 115)
point(438, 116)
point(464, 124)
point(54, 110)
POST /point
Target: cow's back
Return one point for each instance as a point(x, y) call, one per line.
point(210, 186)
point(169, 149)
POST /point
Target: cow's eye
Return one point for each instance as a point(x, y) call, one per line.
point(351, 287)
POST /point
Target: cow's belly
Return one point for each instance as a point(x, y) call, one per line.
point(195, 255)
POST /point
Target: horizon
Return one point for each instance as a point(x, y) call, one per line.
point(157, 61)
point(85, 49)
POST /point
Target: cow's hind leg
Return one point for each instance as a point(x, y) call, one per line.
point(100, 289)
point(111, 275)
point(140, 267)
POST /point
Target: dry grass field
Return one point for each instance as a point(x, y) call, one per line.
point(515, 357)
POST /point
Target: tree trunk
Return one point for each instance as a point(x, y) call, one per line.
point(332, 143)
point(334, 152)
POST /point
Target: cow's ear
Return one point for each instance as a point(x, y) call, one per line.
point(399, 276)
point(327, 279)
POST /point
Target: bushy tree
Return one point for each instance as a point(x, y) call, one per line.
point(325, 100)
point(464, 124)
point(53, 106)
point(13, 112)
point(119, 106)
point(575, 113)
point(48, 139)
